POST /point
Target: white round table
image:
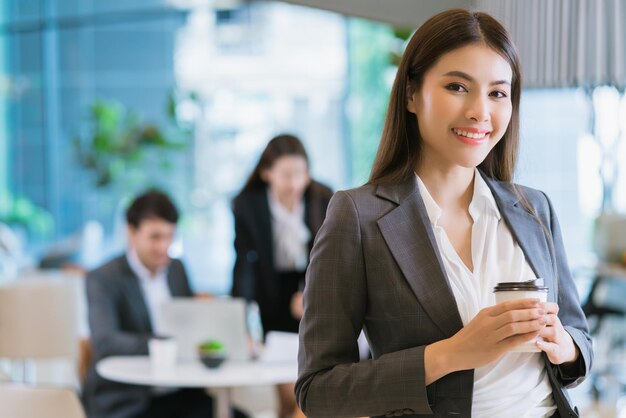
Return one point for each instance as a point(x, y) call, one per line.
point(138, 370)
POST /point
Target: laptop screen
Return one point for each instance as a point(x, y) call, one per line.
point(193, 321)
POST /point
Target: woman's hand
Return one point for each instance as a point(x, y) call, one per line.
point(497, 329)
point(493, 331)
point(557, 343)
point(296, 305)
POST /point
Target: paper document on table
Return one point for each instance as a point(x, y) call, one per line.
point(280, 347)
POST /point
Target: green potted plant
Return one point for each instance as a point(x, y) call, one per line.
point(120, 139)
point(212, 353)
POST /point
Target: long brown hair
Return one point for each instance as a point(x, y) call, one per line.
point(279, 146)
point(399, 151)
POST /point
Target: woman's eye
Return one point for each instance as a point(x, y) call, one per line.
point(456, 87)
point(498, 94)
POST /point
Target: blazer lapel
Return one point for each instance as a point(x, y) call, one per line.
point(264, 240)
point(264, 219)
point(527, 232)
point(135, 297)
point(409, 236)
point(176, 283)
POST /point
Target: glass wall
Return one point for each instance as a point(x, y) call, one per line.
point(553, 124)
point(205, 88)
point(59, 58)
point(22, 125)
point(214, 84)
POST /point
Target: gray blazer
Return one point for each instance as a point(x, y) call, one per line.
point(120, 325)
point(375, 265)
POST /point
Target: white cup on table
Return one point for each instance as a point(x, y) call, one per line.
point(163, 352)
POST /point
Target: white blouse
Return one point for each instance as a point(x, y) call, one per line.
point(517, 385)
point(291, 236)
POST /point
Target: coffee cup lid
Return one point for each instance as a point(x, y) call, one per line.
point(530, 285)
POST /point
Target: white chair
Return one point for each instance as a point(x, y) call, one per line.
point(38, 320)
point(35, 402)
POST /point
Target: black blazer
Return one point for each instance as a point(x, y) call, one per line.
point(120, 325)
point(254, 275)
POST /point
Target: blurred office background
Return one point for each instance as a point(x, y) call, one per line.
point(100, 100)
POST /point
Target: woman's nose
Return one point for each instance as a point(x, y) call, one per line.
point(478, 109)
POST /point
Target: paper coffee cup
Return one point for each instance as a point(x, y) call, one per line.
point(163, 353)
point(521, 290)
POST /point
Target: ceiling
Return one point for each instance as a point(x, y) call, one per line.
point(562, 43)
point(396, 12)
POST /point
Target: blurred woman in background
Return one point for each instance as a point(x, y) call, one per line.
point(277, 215)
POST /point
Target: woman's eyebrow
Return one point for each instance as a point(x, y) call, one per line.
point(469, 78)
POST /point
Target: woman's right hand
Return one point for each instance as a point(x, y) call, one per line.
point(493, 331)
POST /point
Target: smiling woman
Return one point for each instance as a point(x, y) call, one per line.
point(413, 256)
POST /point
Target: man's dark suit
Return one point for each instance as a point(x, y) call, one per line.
point(120, 325)
point(255, 277)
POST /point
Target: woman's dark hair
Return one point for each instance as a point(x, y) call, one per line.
point(399, 152)
point(279, 146)
point(151, 204)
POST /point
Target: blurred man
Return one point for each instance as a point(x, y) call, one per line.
point(124, 298)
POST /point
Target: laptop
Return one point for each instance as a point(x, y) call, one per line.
point(193, 321)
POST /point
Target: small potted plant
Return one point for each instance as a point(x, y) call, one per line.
point(212, 353)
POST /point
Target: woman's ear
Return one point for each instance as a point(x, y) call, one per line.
point(411, 99)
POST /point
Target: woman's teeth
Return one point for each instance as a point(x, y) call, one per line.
point(469, 134)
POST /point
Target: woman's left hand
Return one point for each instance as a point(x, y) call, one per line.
point(296, 305)
point(557, 343)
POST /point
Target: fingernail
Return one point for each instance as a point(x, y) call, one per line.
point(540, 311)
